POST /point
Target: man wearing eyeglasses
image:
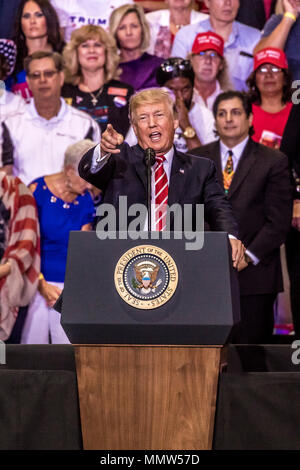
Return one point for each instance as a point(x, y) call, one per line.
point(210, 68)
point(34, 139)
point(239, 38)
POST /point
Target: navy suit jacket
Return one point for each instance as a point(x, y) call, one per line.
point(192, 181)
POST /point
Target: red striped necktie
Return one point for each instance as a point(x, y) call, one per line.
point(161, 194)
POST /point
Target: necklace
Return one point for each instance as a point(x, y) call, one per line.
point(95, 97)
point(62, 191)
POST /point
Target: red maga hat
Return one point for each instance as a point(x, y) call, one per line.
point(206, 41)
point(270, 55)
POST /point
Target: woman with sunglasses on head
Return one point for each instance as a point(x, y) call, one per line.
point(36, 28)
point(91, 78)
point(196, 122)
point(270, 93)
point(128, 25)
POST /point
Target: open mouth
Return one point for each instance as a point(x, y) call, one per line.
point(155, 136)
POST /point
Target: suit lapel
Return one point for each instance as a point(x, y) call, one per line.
point(139, 164)
point(216, 157)
point(178, 177)
point(246, 162)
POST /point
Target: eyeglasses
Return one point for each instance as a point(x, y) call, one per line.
point(45, 74)
point(176, 64)
point(207, 55)
point(264, 69)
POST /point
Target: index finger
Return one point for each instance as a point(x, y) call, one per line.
point(110, 129)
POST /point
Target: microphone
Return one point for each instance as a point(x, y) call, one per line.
point(149, 161)
point(149, 156)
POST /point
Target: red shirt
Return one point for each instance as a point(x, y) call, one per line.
point(269, 127)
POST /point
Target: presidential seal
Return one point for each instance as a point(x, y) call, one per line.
point(146, 277)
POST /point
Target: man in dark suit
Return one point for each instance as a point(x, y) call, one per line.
point(119, 170)
point(257, 182)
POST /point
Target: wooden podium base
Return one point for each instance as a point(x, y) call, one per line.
point(147, 397)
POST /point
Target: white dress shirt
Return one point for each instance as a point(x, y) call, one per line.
point(236, 155)
point(197, 98)
point(98, 162)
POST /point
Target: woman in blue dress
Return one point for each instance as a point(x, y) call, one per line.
point(64, 204)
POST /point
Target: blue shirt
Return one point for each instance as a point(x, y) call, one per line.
point(237, 49)
point(56, 222)
point(291, 48)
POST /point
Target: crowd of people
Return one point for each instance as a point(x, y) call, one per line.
point(70, 73)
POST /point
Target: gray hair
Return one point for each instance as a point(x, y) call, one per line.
point(75, 152)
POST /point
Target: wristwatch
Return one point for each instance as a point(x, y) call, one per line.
point(189, 132)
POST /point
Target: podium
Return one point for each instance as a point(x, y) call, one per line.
point(147, 377)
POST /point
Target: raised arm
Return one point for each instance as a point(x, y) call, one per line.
point(279, 35)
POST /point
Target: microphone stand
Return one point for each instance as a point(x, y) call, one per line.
point(149, 160)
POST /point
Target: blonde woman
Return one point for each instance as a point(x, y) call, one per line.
point(129, 27)
point(91, 84)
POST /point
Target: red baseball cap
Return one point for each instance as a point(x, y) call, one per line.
point(206, 41)
point(271, 55)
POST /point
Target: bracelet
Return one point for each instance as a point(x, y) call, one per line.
point(288, 14)
point(41, 277)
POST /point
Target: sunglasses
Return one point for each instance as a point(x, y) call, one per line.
point(179, 64)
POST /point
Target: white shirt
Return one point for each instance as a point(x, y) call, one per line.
point(76, 13)
point(98, 162)
point(202, 120)
point(9, 103)
point(197, 98)
point(39, 144)
point(237, 153)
